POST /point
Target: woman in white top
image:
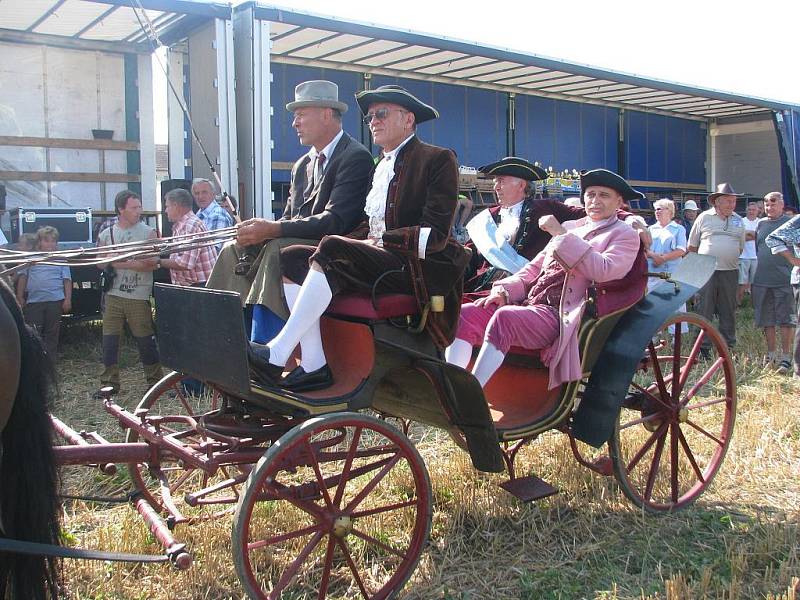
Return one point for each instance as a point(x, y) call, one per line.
point(668, 247)
point(669, 240)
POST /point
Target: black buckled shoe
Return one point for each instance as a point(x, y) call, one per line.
point(264, 371)
point(300, 381)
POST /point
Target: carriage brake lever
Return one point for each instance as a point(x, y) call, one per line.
point(668, 278)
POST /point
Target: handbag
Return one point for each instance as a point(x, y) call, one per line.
point(108, 273)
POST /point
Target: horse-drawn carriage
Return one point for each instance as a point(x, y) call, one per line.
point(330, 499)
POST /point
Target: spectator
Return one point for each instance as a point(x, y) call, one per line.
point(25, 243)
point(772, 291)
point(719, 232)
point(191, 267)
point(690, 211)
point(463, 214)
point(748, 259)
point(668, 246)
point(128, 300)
point(45, 293)
point(761, 212)
point(669, 240)
point(785, 241)
point(211, 212)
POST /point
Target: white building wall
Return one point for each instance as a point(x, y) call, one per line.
point(50, 92)
point(747, 156)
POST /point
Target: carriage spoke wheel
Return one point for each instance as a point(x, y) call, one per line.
point(177, 396)
point(677, 419)
point(338, 507)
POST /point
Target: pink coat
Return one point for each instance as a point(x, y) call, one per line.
point(603, 254)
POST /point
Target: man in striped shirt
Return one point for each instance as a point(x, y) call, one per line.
point(192, 267)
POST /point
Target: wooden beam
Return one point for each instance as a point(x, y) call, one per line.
point(282, 166)
point(675, 185)
point(76, 177)
point(81, 144)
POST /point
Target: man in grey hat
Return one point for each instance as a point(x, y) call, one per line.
point(406, 244)
point(720, 232)
point(328, 188)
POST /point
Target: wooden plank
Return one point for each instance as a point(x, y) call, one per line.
point(282, 166)
point(79, 177)
point(82, 144)
point(668, 184)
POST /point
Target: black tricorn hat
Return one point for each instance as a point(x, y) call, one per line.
point(394, 94)
point(515, 167)
point(609, 179)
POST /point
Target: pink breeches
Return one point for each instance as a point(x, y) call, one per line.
point(533, 327)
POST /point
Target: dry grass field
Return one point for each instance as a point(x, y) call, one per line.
point(738, 541)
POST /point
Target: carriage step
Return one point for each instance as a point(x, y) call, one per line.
point(528, 489)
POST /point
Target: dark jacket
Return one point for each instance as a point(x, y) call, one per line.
point(336, 205)
point(528, 242)
point(424, 193)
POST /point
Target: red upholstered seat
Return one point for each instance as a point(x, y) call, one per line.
point(360, 306)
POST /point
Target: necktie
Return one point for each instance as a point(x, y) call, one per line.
point(318, 168)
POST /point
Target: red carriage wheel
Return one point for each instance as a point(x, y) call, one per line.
point(677, 419)
point(339, 506)
point(174, 397)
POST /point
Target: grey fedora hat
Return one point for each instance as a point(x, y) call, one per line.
point(319, 93)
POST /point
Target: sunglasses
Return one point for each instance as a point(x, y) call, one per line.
point(380, 114)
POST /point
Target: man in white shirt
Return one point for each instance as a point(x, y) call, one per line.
point(748, 260)
point(328, 187)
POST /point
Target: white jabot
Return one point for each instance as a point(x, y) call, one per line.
point(509, 220)
point(376, 199)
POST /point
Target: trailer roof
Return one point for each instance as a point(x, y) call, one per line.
point(104, 24)
point(312, 40)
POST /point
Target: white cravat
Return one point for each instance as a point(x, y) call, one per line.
point(509, 220)
point(376, 199)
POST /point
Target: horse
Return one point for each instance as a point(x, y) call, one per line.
point(29, 507)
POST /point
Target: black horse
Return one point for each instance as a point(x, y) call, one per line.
point(29, 508)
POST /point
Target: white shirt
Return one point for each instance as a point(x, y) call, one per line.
point(376, 199)
point(750, 245)
point(327, 150)
point(3, 240)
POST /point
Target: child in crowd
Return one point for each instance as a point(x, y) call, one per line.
point(45, 292)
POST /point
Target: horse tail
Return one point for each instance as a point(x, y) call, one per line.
point(29, 507)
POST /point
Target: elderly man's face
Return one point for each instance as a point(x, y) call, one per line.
point(510, 190)
point(725, 205)
point(390, 124)
point(601, 202)
point(752, 211)
point(174, 210)
point(312, 124)
point(203, 194)
point(773, 206)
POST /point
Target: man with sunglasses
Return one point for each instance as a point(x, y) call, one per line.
point(405, 245)
point(328, 188)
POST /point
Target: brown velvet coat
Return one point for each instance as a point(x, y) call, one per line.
point(424, 193)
